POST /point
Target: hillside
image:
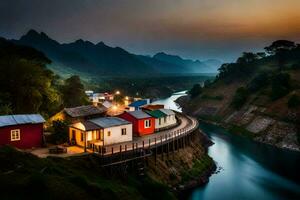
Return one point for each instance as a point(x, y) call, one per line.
point(88, 59)
point(257, 96)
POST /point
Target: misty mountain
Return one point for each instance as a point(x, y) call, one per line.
point(85, 56)
point(89, 58)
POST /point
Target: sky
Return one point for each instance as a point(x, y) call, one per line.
point(197, 29)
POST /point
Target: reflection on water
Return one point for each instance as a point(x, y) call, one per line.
point(170, 101)
point(249, 170)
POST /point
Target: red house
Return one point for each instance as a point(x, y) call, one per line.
point(143, 124)
point(21, 131)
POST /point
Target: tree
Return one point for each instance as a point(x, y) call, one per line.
point(26, 85)
point(59, 132)
point(294, 101)
point(195, 91)
point(73, 92)
point(279, 45)
point(247, 57)
point(280, 49)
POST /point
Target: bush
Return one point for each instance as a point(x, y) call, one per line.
point(294, 101)
point(195, 91)
point(240, 97)
point(60, 132)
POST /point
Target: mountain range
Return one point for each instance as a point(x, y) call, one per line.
point(86, 57)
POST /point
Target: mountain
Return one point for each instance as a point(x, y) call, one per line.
point(188, 65)
point(84, 56)
point(91, 59)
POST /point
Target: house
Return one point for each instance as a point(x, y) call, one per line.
point(98, 132)
point(107, 104)
point(98, 98)
point(143, 123)
point(79, 113)
point(136, 105)
point(153, 107)
point(22, 131)
point(170, 119)
point(160, 122)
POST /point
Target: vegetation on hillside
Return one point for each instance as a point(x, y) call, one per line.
point(73, 178)
point(27, 86)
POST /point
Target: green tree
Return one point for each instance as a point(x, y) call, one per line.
point(280, 49)
point(73, 92)
point(195, 91)
point(59, 132)
point(26, 85)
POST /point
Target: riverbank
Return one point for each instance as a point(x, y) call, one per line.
point(250, 121)
point(186, 169)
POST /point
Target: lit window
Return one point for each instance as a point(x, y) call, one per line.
point(147, 123)
point(108, 133)
point(15, 135)
point(123, 131)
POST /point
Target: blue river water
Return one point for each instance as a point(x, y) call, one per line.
point(249, 170)
point(246, 169)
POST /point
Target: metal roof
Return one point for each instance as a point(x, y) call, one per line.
point(167, 111)
point(139, 114)
point(138, 103)
point(9, 120)
point(156, 113)
point(106, 122)
point(83, 111)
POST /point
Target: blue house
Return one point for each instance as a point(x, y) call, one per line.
point(136, 105)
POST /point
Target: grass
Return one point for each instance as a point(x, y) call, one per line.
point(24, 175)
point(199, 166)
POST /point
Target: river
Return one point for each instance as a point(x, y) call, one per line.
point(247, 169)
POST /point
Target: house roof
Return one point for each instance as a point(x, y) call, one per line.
point(138, 103)
point(156, 113)
point(105, 122)
point(86, 126)
point(167, 111)
point(83, 111)
point(8, 120)
point(139, 114)
point(153, 106)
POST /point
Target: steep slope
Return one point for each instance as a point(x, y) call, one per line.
point(85, 56)
point(257, 96)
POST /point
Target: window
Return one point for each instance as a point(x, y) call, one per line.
point(165, 119)
point(147, 123)
point(15, 135)
point(81, 136)
point(108, 133)
point(123, 131)
point(159, 121)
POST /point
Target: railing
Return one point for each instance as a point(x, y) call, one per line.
point(151, 142)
